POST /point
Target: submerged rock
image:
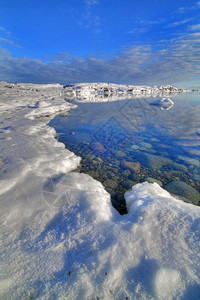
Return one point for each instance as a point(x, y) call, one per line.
point(178, 167)
point(120, 153)
point(135, 147)
point(92, 174)
point(126, 173)
point(99, 160)
point(152, 180)
point(133, 166)
point(111, 192)
point(97, 146)
point(189, 161)
point(196, 177)
point(152, 151)
point(127, 184)
point(135, 177)
point(183, 189)
point(152, 161)
point(145, 145)
point(115, 170)
point(90, 156)
point(176, 173)
point(109, 183)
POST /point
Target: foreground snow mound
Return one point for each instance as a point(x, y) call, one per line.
point(60, 236)
point(88, 251)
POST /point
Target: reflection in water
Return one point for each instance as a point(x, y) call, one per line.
point(164, 103)
point(125, 142)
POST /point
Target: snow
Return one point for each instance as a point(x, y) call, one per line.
point(60, 236)
point(104, 92)
point(164, 103)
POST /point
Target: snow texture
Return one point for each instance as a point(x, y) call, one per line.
point(60, 236)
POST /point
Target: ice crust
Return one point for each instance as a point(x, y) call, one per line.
point(60, 236)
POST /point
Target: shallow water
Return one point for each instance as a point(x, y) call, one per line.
point(160, 144)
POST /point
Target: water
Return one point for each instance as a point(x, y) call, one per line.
point(125, 142)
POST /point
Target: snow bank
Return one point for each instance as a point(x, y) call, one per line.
point(27, 145)
point(60, 236)
point(85, 250)
point(104, 92)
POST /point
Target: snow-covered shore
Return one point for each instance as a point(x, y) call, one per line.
point(61, 238)
point(99, 92)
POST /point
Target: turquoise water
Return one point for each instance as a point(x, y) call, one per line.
point(129, 141)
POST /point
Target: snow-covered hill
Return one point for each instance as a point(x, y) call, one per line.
point(60, 236)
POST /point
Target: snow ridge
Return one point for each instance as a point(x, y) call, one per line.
point(61, 238)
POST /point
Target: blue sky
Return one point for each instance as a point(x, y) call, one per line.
point(120, 41)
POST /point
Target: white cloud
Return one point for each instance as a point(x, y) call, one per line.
point(143, 25)
point(195, 27)
point(137, 30)
point(89, 20)
point(6, 38)
point(7, 41)
point(91, 2)
point(151, 22)
point(4, 30)
point(178, 23)
point(177, 61)
point(186, 9)
point(195, 34)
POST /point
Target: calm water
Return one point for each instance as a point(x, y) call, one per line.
point(125, 142)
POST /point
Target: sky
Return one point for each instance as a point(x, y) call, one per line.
point(139, 42)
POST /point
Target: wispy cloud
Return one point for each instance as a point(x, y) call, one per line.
point(4, 30)
point(181, 22)
point(6, 38)
point(176, 62)
point(195, 27)
point(186, 9)
point(150, 22)
point(143, 25)
point(137, 30)
point(195, 34)
point(9, 42)
point(91, 2)
point(89, 20)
